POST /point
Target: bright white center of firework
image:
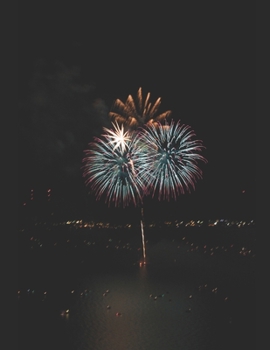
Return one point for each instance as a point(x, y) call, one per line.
point(118, 137)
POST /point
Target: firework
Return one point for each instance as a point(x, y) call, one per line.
point(137, 112)
point(110, 168)
point(173, 155)
point(118, 137)
point(148, 158)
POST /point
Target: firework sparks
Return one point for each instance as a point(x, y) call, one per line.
point(137, 112)
point(118, 137)
point(110, 168)
point(173, 154)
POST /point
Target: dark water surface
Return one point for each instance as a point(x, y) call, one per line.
point(196, 292)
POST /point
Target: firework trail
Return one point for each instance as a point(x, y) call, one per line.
point(137, 112)
point(142, 234)
point(173, 154)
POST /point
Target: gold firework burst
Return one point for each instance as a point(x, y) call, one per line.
point(137, 112)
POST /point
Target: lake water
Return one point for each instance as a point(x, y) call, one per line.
point(88, 291)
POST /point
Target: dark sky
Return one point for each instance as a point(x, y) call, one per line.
point(76, 58)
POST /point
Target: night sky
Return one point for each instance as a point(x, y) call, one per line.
point(76, 58)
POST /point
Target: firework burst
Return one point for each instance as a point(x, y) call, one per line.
point(137, 112)
point(118, 137)
point(110, 168)
point(151, 157)
point(173, 155)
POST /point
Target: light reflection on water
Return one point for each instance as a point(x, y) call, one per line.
point(145, 322)
point(160, 306)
